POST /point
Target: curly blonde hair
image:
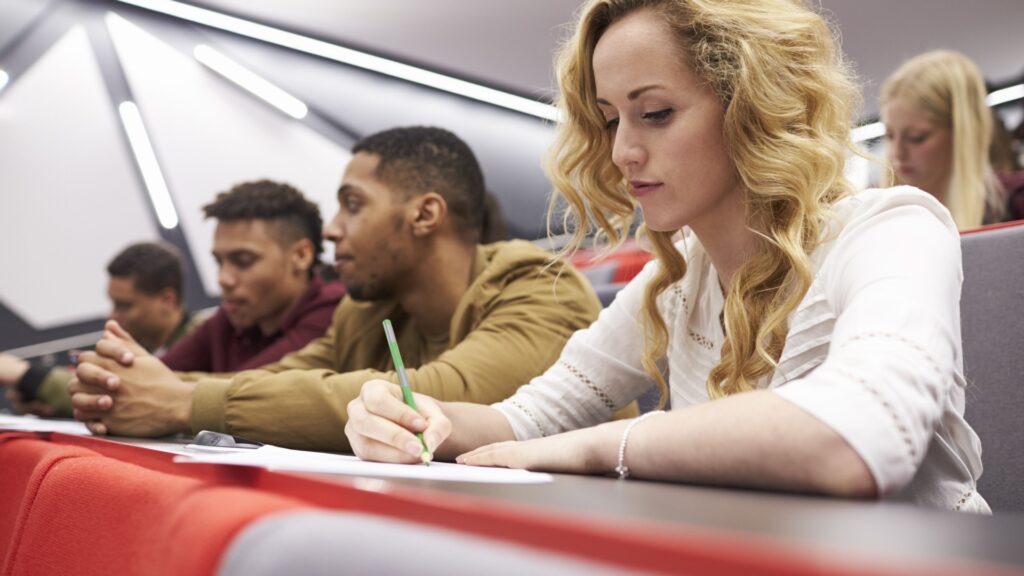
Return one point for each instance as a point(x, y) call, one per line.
point(788, 99)
point(949, 87)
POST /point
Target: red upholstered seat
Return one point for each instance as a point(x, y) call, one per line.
point(25, 459)
point(104, 516)
point(626, 262)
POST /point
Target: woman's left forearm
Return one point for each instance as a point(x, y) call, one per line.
point(756, 439)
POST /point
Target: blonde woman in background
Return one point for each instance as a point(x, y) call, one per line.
point(939, 129)
point(808, 336)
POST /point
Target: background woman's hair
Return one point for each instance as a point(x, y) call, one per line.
point(788, 99)
point(949, 87)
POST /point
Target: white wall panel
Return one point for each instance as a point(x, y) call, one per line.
point(209, 135)
point(69, 195)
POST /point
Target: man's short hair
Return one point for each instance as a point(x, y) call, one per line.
point(153, 266)
point(421, 159)
point(295, 216)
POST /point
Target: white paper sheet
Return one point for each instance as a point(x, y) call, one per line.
point(275, 458)
point(33, 424)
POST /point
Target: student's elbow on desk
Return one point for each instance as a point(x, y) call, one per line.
point(843, 473)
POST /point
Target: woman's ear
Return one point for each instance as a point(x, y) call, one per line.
point(431, 211)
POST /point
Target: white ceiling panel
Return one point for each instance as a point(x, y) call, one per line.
point(61, 145)
point(209, 135)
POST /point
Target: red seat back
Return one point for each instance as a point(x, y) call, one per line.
point(105, 516)
point(25, 459)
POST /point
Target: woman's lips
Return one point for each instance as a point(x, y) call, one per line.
point(641, 188)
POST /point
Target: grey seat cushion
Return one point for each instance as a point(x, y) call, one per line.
point(332, 543)
point(992, 328)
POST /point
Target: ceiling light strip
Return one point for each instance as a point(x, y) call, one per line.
point(419, 75)
point(148, 165)
point(867, 132)
point(348, 56)
point(1005, 95)
point(251, 82)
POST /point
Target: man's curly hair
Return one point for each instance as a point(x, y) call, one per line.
point(296, 217)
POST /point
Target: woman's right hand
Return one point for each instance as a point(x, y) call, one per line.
point(382, 428)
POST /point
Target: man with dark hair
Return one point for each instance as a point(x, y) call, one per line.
point(145, 291)
point(417, 160)
point(473, 322)
point(267, 243)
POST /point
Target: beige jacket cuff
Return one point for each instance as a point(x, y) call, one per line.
point(209, 401)
point(54, 392)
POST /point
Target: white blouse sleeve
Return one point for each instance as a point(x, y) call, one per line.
point(598, 372)
point(893, 279)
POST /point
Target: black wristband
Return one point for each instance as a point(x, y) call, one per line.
point(30, 382)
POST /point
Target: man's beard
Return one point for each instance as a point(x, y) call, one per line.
point(370, 291)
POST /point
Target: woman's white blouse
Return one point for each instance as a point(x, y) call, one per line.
point(873, 349)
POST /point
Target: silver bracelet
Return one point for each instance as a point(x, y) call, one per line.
point(622, 469)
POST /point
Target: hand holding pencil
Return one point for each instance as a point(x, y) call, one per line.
point(403, 380)
point(382, 428)
point(387, 425)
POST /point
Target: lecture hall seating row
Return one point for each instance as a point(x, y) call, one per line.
point(83, 505)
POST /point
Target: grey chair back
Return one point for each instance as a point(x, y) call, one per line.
point(606, 292)
point(992, 328)
point(334, 542)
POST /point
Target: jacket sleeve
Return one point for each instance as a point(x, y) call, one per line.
point(53, 391)
point(518, 333)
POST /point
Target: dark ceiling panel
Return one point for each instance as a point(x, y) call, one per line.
point(17, 16)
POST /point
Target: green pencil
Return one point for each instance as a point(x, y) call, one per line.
point(404, 381)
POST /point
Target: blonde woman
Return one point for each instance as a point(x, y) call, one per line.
point(939, 130)
point(808, 337)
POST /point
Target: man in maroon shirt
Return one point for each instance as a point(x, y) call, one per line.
point(267, 245)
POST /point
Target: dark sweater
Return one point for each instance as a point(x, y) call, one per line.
point(217, 347)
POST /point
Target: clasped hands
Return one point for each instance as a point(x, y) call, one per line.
point(123, 389)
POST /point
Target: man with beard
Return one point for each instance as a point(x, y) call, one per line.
point(473, 322)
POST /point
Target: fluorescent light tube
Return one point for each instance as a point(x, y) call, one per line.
point(250, 81)
point(349, 56)
point(148, 165)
